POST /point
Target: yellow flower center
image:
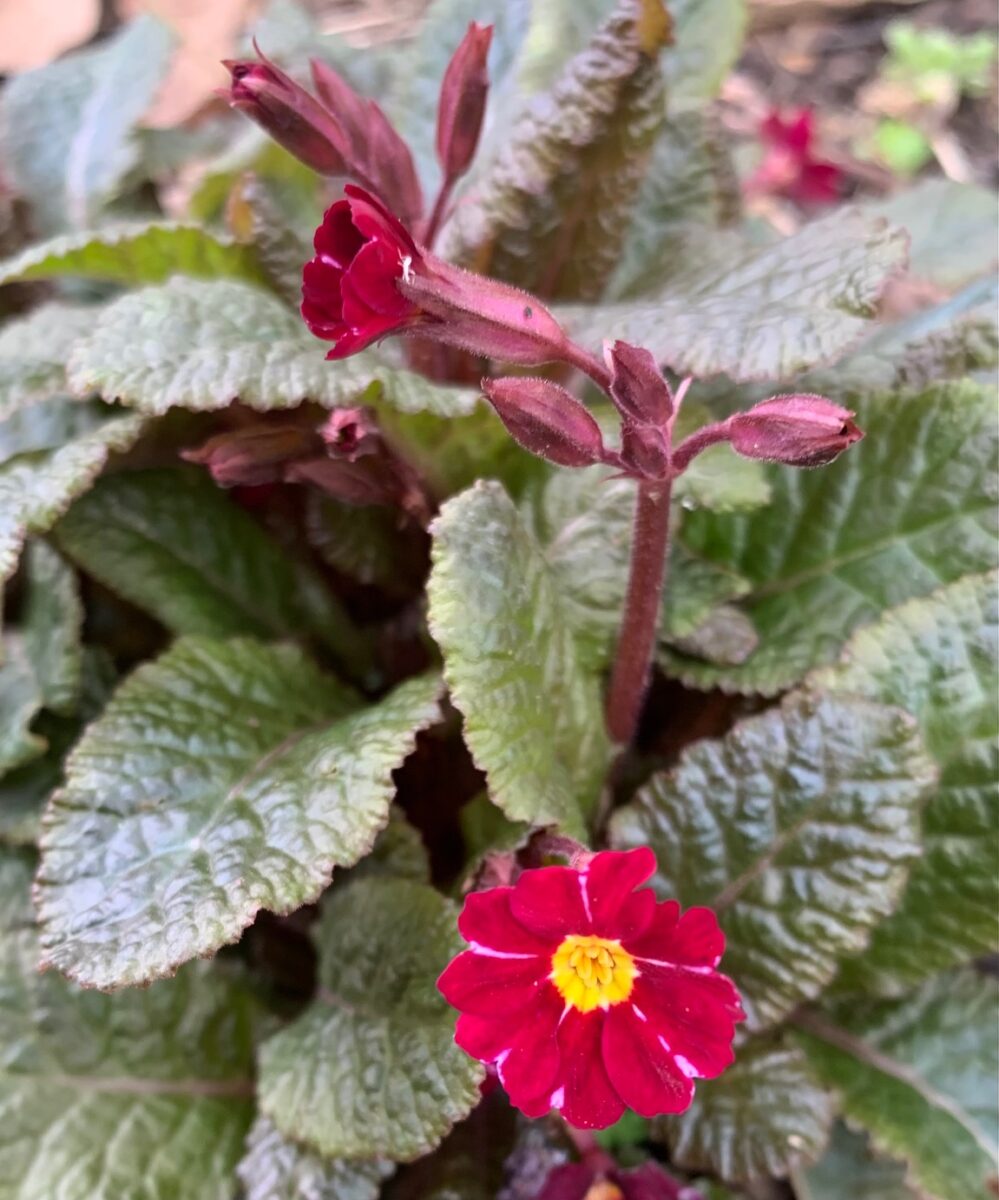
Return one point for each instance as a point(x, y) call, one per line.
point(592, 972)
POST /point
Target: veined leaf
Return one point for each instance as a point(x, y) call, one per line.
point(67, 127)
point(766, 1115)
point(709, 37)
point(371, 1067)
point(52, 623)
point(223, 778)
point(918, 1073)
point(798, 828)
point(170, 1066)
point(911, 507)
point(276, 1168)
point(33, 352)
point(751, 313)
point(199, 344)
point(937, 658)
point(135, 254)
point(550, 212)
point(850, 1168)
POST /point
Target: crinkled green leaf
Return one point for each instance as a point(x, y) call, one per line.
point(371, 1067)
point(276, 1168)
point(766, 1115)
point(135, 254)
point(918, 1073)
point(222, 778)
point(937, 658)
point(798, 828)
point(67, 128)
point(533, 718)
point(145, 1094)
point(911, 507)
point(198, 344)
point(850, 1168)
point(33, 352)
point(172, 543)
point(748, 312)
point(363, 543)
point(50, 453)
point(550, 212)
point(953, 226)
point(20, 702)
point(690, 189)
point(708, 40)
point(52, 621)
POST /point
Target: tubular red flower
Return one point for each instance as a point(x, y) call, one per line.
point(790, 167)
point(588, 996)
point(369, 279)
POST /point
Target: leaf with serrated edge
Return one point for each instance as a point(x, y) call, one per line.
point(371, 1067)
point(533, 719)
point(276, 1168)
point(53, 462)
point(918, 1073)
point(52, 622)
point(913, 506)
point(197, 344)
point(33, 352)
point(758, 313)
point(222, 778)
point(145, 1094)
point(798, 828)
point(767, 1113)
point(550, 212)
point(936, 657)
point(67, 128)
point(850, 1168)
point(20, 702)
point(135, 254)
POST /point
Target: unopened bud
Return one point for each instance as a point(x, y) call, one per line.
point(546, 420)
point(255, 455)
point(637, 386)
point(644, 450)
point(801, 431)
point(462, 103)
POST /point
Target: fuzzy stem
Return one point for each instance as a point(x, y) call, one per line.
point(588, 363)
point(701, 439)
point(649, 552)
point(439, 212)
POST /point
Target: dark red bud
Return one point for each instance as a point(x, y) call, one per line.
point(287, 112)
point(352, 433)
point(546, 420)
point(800, 431)
point(463, 101)
point(637, 386)
point(254, 455)
point(644, 450)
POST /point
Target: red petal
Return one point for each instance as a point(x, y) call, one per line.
point(818, 183)
point(338, 239)
point(610, 880)
point(695, 1013)
point(589, 1101)
point(484, 1038)
point(486, 920)
point(374, 220)
point(643, 1071)
point(658, 933)
point(490, 987)
point(571, 1182)
point(372, 277)
point(549, 901)
point(695, 940)
point(529, 1071)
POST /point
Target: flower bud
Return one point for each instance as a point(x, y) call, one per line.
point(637, 386)
point(462, 103)
point(254, 455)
point(801, 431)
point(644, 450)
point(286, 111)
point(546, 420)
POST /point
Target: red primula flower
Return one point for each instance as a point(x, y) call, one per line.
point(790, 167)
point(589, 996)
point(369, 278)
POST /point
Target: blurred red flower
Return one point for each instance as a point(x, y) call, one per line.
point(589, 996)
point(790, 167)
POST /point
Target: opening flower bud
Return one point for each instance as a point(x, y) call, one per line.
point(799, 430)
point(637, 386)
point(644, 450)
point(463, 101)
point(546, 420)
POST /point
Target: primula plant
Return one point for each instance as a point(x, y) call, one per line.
point(498, 694)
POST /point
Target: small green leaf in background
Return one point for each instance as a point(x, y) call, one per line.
point(937, 658)
point(550, 211)
point(135, 254)
point(913, 506)
point(850, 1168)
point(751, 313)
point(276, 1168)
point(67, 128)
point(708, 41)
point(199, 344)
point(148, 1093)
point(532, 710)
point(371, 1068)
point(222, 778)
point(798, 828)
point(767, 1114)
point(918, 1073)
